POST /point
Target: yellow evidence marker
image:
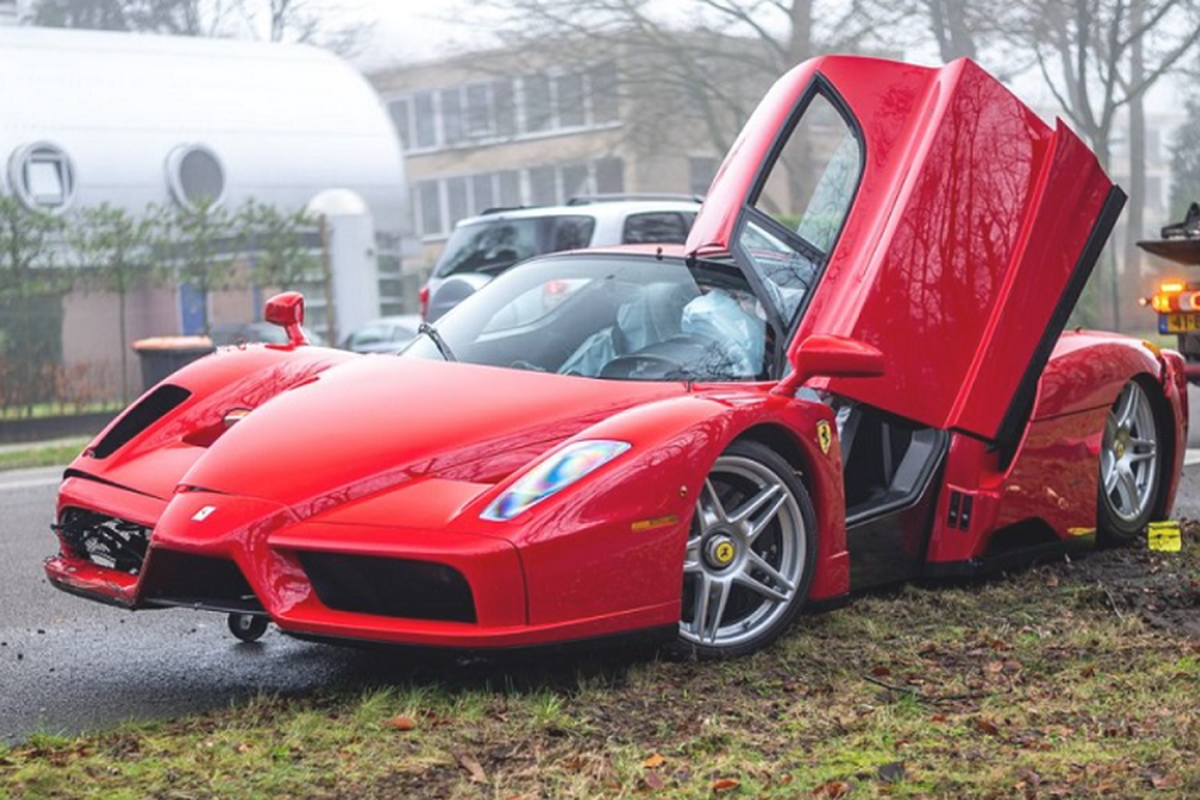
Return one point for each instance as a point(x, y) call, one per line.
point(1164, 536)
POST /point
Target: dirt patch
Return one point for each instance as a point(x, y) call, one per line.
point(1160, 588)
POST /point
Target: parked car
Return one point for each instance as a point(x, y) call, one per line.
point(838, 382)
point(225, 334)
point(480, 248)
point(383, 335)
point(1177, 301)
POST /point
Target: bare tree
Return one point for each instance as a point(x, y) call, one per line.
point(705, 72)
point(336, 26)
point(1099, 58)
point(1185, 161)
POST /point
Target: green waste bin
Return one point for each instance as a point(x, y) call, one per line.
point(162, 355)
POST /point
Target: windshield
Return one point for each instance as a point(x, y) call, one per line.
point(494, 245)
point(624, 317)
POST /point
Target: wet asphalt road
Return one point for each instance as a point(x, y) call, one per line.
point(68, 665)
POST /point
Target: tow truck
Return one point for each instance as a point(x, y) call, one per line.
point(1177, 301)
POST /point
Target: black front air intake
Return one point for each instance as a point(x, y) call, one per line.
point(182, 579)
point(105, 540)
point(389, 587)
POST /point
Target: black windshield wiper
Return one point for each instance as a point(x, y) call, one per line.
point(442, 347)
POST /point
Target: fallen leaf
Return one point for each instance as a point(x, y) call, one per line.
point(939, 718)
point(653, 781)
point(833, 789)
point(880, 671)
point(654, 761)
point(1052, 581)
point(472, 767)
point(721, 785)
point(892, 773)
point(1165, 781)
point(401, 723)
point(986, 726)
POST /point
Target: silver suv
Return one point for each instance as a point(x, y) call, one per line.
point(482, 247)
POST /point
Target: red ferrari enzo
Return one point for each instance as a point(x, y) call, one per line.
point(854, 372)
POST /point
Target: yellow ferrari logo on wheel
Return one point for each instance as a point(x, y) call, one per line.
point(724, 552)
point(824, 436)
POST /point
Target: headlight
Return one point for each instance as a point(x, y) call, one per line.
point(553, 475)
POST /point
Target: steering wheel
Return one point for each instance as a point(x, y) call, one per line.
point(640, 365)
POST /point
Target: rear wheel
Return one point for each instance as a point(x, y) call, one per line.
point(1130, 466)
point(750, 554)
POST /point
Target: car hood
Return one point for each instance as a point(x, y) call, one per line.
point(381, 421)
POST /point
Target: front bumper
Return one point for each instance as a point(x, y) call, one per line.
point(328, 577)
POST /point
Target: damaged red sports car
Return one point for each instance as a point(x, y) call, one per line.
point(854, 372)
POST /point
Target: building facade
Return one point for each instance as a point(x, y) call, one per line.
point(500, 129)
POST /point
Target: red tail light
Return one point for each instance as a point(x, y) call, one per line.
point(424, 296)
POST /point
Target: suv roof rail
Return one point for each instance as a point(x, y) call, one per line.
point(584, 199)
point(500, 210)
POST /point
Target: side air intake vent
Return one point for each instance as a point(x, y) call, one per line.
point(140, 416)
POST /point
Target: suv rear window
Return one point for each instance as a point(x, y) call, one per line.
point(492, 246)
point(657, 227)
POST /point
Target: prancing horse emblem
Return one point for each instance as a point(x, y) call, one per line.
point(824, 436)
point(203, 513)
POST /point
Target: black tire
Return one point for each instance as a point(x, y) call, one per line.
point(752, 548)
point(1131, 465)
point(247, 627)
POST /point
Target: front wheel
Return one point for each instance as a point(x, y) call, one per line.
point(1130, 466)
point(247, 627)
point(750, 554)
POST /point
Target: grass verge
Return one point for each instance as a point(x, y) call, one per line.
point(1073, 680)
point(41, 455)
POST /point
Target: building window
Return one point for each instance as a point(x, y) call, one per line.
point(610, 176)
point(543, 188)
point(603, 80)
point(425, 120)
point(510, 188)
point(456, 200)
point(195, 176)
point(569, 89)
point(537, 102)
point(504, 105)
point(429, 201)
point(42, 177)
point(702, 170)
point(398, 111)
point(575, 181)
point(452, 117)
point(479, 111)
point(482, 195)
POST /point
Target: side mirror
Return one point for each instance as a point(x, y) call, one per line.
point(287, 311)
point(833, 357)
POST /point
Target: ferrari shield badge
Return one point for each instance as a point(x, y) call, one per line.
point(824, 436)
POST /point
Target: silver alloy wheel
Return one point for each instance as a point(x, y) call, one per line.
point(746, 554)
point(1128, 455)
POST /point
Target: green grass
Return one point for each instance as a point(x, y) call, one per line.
point(41, 410)
point(1045, 684)
point(41, 455)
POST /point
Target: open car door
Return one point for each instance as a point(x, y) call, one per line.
point(925, 212)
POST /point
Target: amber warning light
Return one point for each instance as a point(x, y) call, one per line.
point(1171, 296)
